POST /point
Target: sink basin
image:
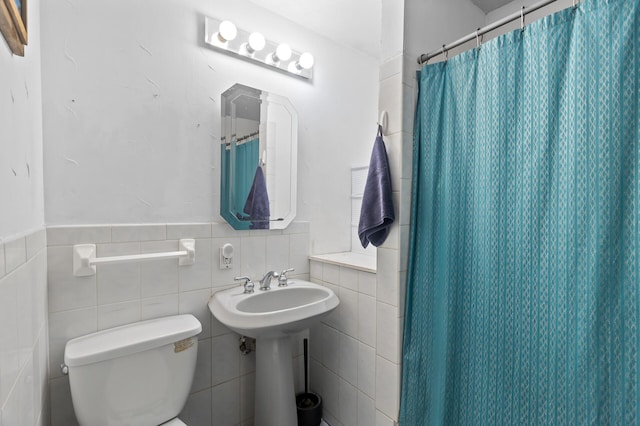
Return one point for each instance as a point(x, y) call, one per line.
point(278, 311)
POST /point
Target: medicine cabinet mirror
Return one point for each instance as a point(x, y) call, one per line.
point(258, 159)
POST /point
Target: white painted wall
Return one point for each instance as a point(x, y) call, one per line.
point(432, 23)
point(131, 113)
point(21, 185)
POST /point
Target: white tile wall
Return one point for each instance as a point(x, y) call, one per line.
point(222, 392)
point(343, 347)
point(23, 331)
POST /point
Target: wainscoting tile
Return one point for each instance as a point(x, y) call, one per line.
point(366, 410)
point(387, 342)
point(159, 306)
point(331, 273)
point(367, 283)
point(118, 282)
point(348, 359)
point(348, 404)
point(158, 277)
point(115, 314)
point(197, 411)
point(144, 232)
point(349, 278)
point(387, 386)
point(278, 254)
point(70, 235)
point(195, 303)
point(176, 231)
point(315, 270)
point(367, 370)
point(198, 275)
point(36, 242)
point(9, 347)
point(202, 376)
point(225, 403)
point(67, 292)
point(15, 253)
point(367, 319)
point(225, 361)
point(299, 253)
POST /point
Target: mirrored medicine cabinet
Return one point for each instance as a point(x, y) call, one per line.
point(258, 156)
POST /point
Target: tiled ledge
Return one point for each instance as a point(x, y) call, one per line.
point(361, 262)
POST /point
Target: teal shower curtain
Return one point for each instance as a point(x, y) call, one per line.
point(523, 298)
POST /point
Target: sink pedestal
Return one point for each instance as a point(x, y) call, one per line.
point(275, 397)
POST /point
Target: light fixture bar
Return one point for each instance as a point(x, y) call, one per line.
point(247, 45)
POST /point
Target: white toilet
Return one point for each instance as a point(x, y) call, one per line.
point(138, 374)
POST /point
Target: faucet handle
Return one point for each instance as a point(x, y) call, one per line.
point(248, 284)
point(283, 281)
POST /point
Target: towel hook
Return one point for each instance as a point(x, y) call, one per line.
point(522, 18)
point(383, 121)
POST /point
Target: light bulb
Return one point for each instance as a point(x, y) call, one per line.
point(306, 61)
point(256, 42)
point(227, 31)
point(282, 53)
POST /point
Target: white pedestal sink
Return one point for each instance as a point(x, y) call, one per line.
point(271, 316)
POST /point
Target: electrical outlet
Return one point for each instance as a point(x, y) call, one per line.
point(226, 256)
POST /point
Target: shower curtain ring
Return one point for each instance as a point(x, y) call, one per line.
point(445, 53)
point(522, 19)
point(478, 38)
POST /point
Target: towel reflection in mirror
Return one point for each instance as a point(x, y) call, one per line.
point(257, 204)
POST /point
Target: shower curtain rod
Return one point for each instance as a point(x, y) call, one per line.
point(482, 31)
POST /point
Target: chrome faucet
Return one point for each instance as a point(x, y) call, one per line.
point(248, 284)
point(283, 281)
point(265, 282)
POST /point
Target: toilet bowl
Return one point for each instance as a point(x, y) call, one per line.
point(137, 374)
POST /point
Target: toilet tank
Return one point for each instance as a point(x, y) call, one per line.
point(137, 374)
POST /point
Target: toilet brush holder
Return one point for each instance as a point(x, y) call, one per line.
point(308, 404)
point(309, 407)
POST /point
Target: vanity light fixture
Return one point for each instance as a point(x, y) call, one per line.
point(253, 46)
point(256, 43)
point(282, 53)
point(305, 62)
point(227, 31)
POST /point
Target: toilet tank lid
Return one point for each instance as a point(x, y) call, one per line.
point(129, 339)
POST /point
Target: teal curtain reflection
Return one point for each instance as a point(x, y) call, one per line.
point(240, 162)
point(523, 304)
point(247, 157)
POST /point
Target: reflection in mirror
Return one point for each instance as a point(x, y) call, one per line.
point(258, 156)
